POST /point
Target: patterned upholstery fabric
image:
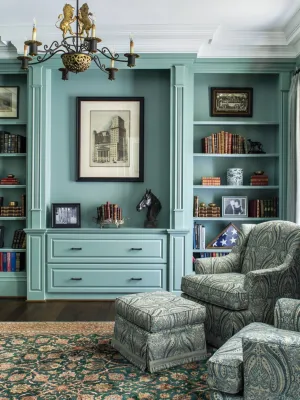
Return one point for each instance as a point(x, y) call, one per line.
point(157, 311)
point(268, 256)
point(216, 395)
point(287, 314)
point(260, 361)
point(159, 330)
point(225, 290)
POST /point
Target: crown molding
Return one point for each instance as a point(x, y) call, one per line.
point(292, 28)
point(7, 50)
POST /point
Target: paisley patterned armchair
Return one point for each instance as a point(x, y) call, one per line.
point(244, 286)
point(260, 361)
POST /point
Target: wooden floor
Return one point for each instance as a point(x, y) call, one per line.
point(20, 310)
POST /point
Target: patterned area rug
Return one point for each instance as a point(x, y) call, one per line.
point(74, 360)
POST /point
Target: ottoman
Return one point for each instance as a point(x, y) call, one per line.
point(159, 330)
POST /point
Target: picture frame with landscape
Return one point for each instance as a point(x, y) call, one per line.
point(110, 139)
point(66, 215)
point(234, 206)
point(231, 102)
point(9, 102)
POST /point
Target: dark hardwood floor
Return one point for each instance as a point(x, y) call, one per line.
point(20, 310)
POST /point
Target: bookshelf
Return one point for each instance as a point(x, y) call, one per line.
point(263, 127)
point(13, 161)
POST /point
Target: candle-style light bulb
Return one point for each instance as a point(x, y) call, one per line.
point(25, 47)
point(94, 27)
point(112, 62)
point(131, 44)
point(34, 30)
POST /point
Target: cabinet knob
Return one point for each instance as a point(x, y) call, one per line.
point(136, 279)
point(76, 279)
point(136, 248)
point(76, 248)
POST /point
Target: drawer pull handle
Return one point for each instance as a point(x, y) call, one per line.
point(136, 248)
point(76, 279)
point(136, 279)
point(76, 248)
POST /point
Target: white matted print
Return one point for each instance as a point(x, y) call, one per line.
point(110, 139)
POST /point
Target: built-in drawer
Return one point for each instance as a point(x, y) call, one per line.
point(106, 248)
point(105, 279)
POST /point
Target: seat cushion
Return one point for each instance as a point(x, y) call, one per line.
point(158, 311)
point(225, 290)
point(225, 367)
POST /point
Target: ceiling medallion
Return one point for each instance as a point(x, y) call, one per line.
point(78, 49)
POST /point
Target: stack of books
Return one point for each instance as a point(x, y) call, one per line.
point(209, 211)
point(259, 180)
point(19, 239)
point(9, 180)
point(11, 211)
point(211, 181)
point(10, 143)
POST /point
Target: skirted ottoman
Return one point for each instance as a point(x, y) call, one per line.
point(159, 330)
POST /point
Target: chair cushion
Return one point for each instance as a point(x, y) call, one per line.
point(225, 290)
point(268, 245)
point(225, 367)
point(158, 311)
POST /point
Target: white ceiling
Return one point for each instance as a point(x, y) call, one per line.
point(214, 28)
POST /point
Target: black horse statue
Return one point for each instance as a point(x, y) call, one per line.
point(150, 201)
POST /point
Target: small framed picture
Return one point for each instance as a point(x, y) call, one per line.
point(66, 215)
point(235, 207)
point(9, 101)
point(231, 102)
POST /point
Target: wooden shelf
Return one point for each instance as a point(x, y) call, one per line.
point(219, 155)
point(202, 187)
point(222, 122)
point(13, 154)
point(3, 249)
point(216, 250)
point(12, 186)
point(12, 218)
point(232, 219)
point(12, 122)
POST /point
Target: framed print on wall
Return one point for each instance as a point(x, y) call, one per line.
point(231, 102)
point(234, 206)
point(9, 101)
point(110, 139)
point(66, 215)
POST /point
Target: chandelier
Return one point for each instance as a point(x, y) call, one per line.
point(78, 49)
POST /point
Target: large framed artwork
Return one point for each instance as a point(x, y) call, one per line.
point(231, 102)
point(110, 139)
point(9, 101)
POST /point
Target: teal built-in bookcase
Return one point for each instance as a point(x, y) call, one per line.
point(111, 262)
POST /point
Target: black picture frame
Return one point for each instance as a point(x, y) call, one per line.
point(241, 104)
point(63, 215)
point(101, 155)
point(9, 102)
point(2, 229)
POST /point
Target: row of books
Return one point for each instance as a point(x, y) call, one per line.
point(13, 211)
point(259, 180)
point(211, 181)
point(209, 255)
point(11, 143)
point(199, 236)
point(12, 261)
point(19, 239)
point(109, 211)
point(224, 143)
point(263, 208)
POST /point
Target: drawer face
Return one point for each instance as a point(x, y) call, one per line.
point(103, 279)
point(107, 249)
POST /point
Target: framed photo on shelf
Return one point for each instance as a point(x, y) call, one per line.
point(110, 139)
point(234, 207)
point(9, 101)
point(231, 102)
point(66, 215)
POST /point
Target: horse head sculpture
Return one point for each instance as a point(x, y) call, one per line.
point(153, 205)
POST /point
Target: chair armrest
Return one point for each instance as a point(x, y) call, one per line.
point(271, 364)
point(218, 265)
point(226, 264)
point(287, 314)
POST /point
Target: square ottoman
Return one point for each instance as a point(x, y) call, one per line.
point(159, 330)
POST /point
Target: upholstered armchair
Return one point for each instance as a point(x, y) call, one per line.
point(243, 286)
point(260, 362)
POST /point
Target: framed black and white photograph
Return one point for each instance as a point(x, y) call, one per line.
point(66, 215)
point(231, 102)
point(110, 139)
point(9, 101)
point(235, 206)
